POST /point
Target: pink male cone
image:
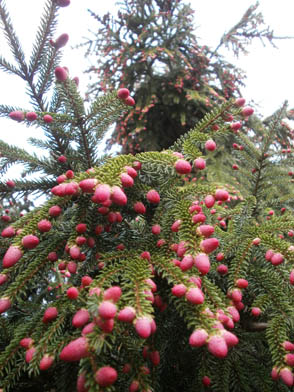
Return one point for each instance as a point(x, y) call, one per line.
point(88, 185)
point(127, 314)
point(8, 232)
point(12, 255)
point(75, 350)
point(209, 201)
point(118, 196)
point(80, 318)
point(3, 278)
point(217, 346)
point(209, 245)
point(5, 304)
point(287, 376)
point(106, 376)
point(202, 263)
point(81, 381)
point(205, 230)
point(107, 310)
point(29, 354)
point(143, 327)
point(195, 296)
point(46, 362)
point(61, 41)
point(61, 74)
point(63, 3)
point(102, 193)
point(112, 293)
point(198, 338)
point(230, 338)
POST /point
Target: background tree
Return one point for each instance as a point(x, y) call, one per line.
point(150, 47)
point(134, 276)
point(230, 164)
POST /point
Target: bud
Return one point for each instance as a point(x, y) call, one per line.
point(209, 245)
point(5, 304)
point(210, 145)
point(75, 350)
point(123, 93)
point(202, 263)
point(106, 376)
point(200, 163)
point(198, 338)
point(61, 74)
point(60, 42)
point(62, 3)
point(287, 376)
point(12, 255)
point(143, 327)
point(247, 111)
point(217, 346)
point(16, 115)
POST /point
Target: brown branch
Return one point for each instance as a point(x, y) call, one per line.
point(253, 326)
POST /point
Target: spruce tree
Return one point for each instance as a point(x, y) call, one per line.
point(133, 275)
point(150, 47)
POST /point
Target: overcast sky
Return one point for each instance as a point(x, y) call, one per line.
point(269, 70)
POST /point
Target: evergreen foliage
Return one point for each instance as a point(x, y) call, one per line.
point(140, 273)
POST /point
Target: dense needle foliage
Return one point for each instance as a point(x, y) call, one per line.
point(160, 271)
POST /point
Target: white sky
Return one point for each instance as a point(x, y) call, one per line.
point(269, 71)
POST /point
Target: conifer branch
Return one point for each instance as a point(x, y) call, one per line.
point(12, 155)
point(10, 68)
point(47, 28)
point(243, 32)
point(12, 39)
